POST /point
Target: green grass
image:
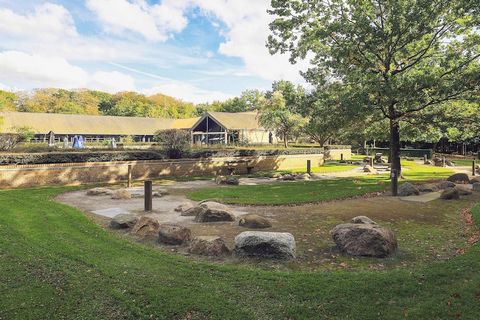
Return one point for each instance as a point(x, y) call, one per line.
point(328, 167)
point(476, 214)
point(463, 162)
point(56, 264)
point(315, 191)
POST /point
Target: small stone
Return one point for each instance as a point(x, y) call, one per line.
point(228, 180)
point(173, 234)
point(99, 192)
point(370, 169)
point(476, 186)
point(183, 207)
point(363, 220)
point(123, 221)
point(429, 187)
point(445, 185)
point(304, 177)
point(254, 221)
point(208, 245)
point(463, 191)
point(121, 194)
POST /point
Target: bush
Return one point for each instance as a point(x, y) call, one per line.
point(175, 143)
point(9, 141)
point(75, 157)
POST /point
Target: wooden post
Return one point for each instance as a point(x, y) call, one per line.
point(473, 167)
point(148, 195)
point(394, 176)
point(129, 183)
point(341, 156)
point(309, 166)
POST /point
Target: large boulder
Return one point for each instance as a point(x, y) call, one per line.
point(121, 194)
point(438, 162)
point(208, 245)
point(287, 177)
point(363, 220)
point(229, 180)
point(445, 185)
point(450, 194)
point(272, 245)
point(449, 163)
point(99, 192)
point(407, 189)
point(459, 178)
point(174, 234)
point(123, 221)
point(146, 226)
point(254, 221)
point(367, 240)
point(476, 186)
point(193, 211)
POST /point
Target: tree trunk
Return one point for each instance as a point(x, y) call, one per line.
point(285, 140)
point(396, 169)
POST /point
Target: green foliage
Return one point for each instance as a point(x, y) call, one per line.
point(393, 59)
point(7, 101)
point(276, 115)
point(175, 143)
point(9, 141)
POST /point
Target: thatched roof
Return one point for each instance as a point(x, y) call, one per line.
point(235, 120)
point(86, 124)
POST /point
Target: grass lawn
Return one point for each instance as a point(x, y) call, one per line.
point(56, 264)
point(315, 191)
point(328, 167)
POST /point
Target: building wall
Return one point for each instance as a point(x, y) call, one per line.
point(23, 176)
point(257, 136)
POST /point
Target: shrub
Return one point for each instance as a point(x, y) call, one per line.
point(175, 143)
point(9, 141)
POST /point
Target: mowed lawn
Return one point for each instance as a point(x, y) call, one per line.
point(57, 264)
point(279, 193)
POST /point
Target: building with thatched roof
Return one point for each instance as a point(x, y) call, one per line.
point(210, 128)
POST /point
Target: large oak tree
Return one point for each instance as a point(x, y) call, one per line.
point(395, 57)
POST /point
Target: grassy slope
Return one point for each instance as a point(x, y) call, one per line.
point(315, 191)
point(56, 264)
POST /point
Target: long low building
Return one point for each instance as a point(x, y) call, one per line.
point(210, 128)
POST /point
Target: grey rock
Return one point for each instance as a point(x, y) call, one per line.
point(174, 234)
point(363, 220)
point(364, 240)
point(99, 192)
point(146, 226)
point(476, 186)
point(271, 245)
point(254, 221)
point(208, 245)
point(459, 178)
point(445, 185)
point(123, 221)
point(407, 189)
point(450, 194)
point(184, 207)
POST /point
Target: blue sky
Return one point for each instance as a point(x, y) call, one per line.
point(196, 50)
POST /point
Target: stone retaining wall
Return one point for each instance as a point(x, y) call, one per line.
point(23, 176)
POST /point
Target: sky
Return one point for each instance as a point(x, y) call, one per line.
point(195, 50)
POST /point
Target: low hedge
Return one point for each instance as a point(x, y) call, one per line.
point(136, 155)
point(72, 157)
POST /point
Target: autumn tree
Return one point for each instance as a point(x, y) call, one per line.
point(398, 57)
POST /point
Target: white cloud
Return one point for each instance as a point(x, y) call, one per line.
point(29, 71)
point(112, 82)
point(154, 22)
point(246, 34)
point(47, 22)
point(42, 71)
point(187, 92)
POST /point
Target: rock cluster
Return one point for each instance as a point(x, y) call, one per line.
point(227, 180)
point(407, 189)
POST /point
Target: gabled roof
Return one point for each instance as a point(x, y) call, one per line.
point(87, 124)
point(234, 120)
